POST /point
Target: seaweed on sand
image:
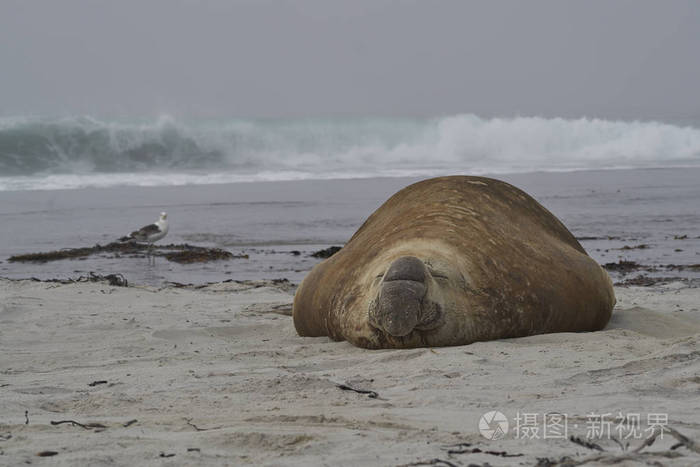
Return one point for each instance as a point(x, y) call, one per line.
point(179, 253)
point(327, 252)
point(623, 266)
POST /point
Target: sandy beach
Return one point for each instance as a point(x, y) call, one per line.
point(171, 172)
point(216, 375)
point(200, 364)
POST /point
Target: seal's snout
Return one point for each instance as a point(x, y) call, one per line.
point(397, 308)
point(406, 268)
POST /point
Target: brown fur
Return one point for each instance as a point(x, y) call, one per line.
point(504, 267)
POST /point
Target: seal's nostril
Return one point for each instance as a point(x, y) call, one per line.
point(406, 268)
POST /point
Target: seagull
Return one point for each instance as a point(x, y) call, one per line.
point(150, 233)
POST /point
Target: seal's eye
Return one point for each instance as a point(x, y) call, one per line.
point(438, 274)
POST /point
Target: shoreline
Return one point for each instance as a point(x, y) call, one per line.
point(217, 375)
point(409, 176)
point(638, 216)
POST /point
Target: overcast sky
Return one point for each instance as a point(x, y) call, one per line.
point(258, 58)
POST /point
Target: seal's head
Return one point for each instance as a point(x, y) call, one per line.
point(408, 296)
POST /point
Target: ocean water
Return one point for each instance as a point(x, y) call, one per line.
point(79, 152)
point(269, 188)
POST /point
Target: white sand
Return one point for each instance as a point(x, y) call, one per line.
point(221, 370)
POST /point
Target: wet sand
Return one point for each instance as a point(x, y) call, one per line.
point(613, 212)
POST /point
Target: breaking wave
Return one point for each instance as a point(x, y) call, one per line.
point(43, 153)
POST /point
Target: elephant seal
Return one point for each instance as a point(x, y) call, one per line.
point(451, 261)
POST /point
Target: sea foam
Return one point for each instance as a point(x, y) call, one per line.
point(75, 152)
